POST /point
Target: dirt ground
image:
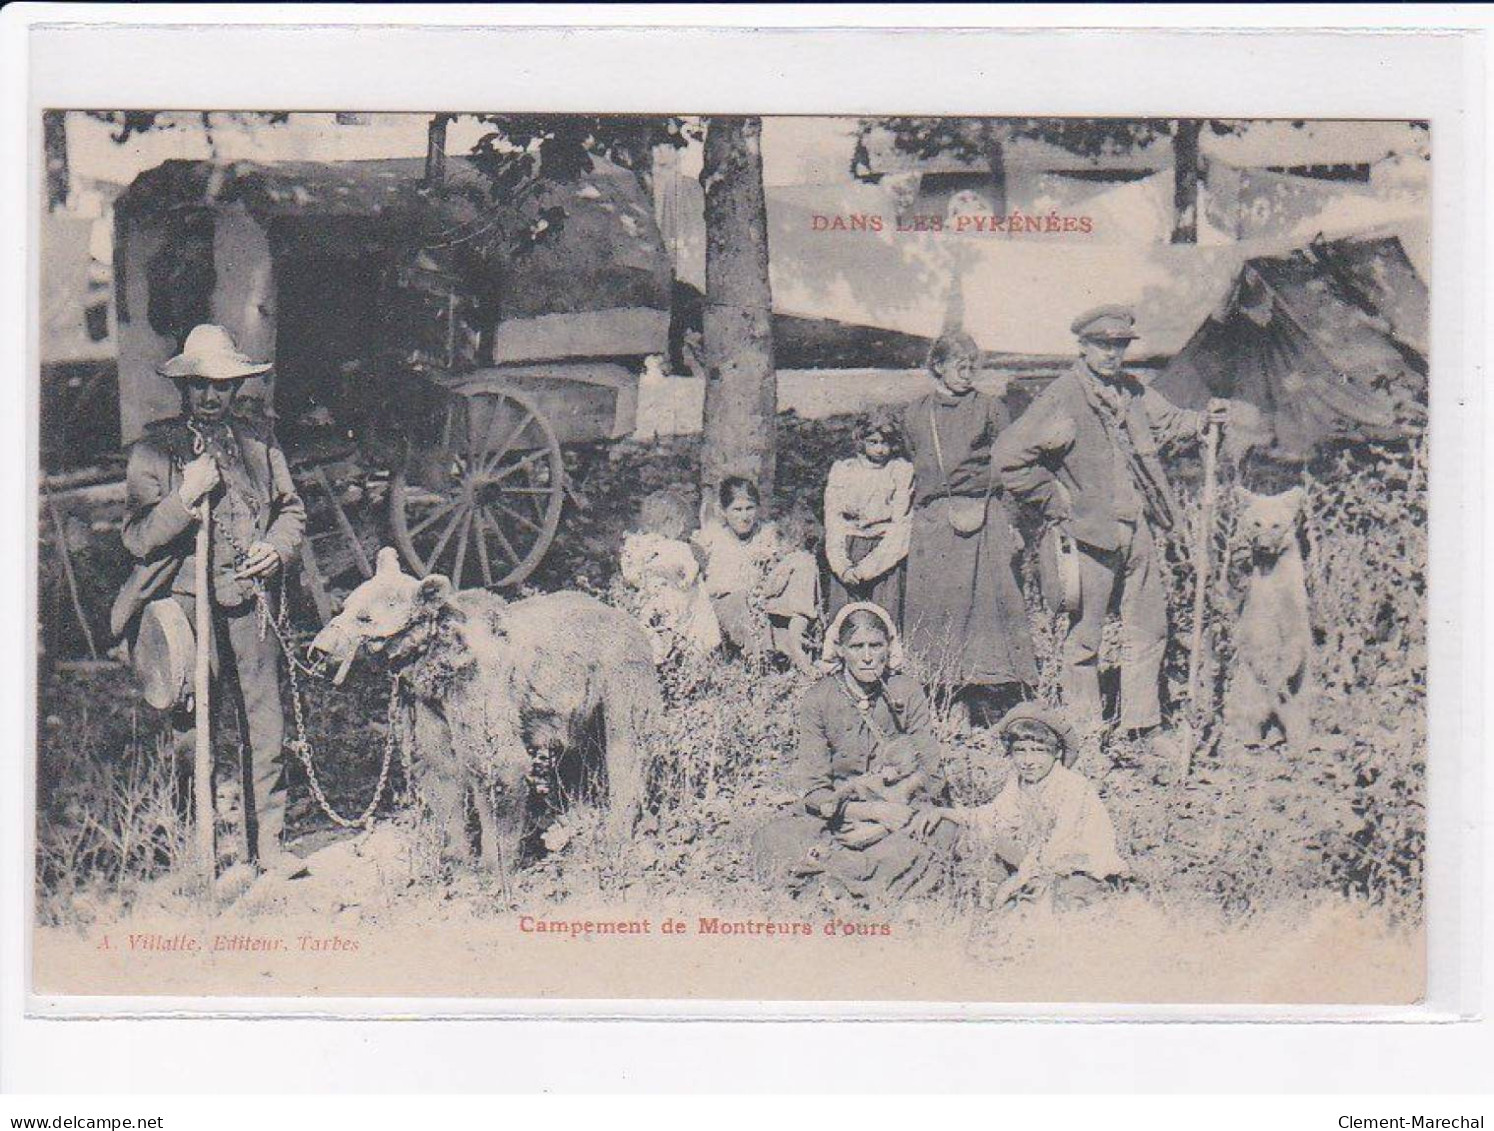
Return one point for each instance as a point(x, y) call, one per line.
point(1260, 875)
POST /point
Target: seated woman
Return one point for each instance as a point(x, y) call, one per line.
point(869, 518)
point(662, 579)
point(765, 590)
point(868, 764)
point(1048, 824)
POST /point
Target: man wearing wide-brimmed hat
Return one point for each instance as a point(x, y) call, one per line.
point(211, 452)
point(1086, 453)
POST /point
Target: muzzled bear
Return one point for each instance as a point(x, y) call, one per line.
point(499, 684)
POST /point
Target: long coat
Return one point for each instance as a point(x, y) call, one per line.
point(160, 532)
point(963, 614)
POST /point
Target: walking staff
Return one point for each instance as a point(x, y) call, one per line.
point(202, 753)
point(1087, 453)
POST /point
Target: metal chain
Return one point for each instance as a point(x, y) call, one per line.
point(302, 746)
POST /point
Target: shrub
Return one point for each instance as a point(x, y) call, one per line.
point(1246, 831)
point(114, 823)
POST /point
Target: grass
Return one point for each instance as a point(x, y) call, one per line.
point(1247, 834)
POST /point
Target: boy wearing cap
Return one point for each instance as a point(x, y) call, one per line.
point(1048, 824)
point(1086, 453)
point(209, 452)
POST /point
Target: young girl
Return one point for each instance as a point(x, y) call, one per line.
point(869, 519)
point(660, 569)
point(764, 589)
point(1048, 823)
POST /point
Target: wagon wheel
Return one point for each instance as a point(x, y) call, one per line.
point(482, 504)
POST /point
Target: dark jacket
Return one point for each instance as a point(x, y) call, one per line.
point(1067, 436)
point(257, 501)
point(838, 742)
point(968, 427)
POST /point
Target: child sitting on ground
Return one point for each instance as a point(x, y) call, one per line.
point(763, 583)
point(660, 569)
point(1048, 824)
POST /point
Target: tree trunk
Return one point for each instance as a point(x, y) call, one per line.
point(741, 395)
point(435, 150)
point(54, 144)
point(1185, 180)
point(996, 161)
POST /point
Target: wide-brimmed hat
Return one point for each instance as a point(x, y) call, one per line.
point(164, 655)
point(830, 657)
point(209, 352)
point(1068, 741)
point(1058, 571)
point(1106, 324)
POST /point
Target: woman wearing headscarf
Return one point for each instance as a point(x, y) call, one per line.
point(964, 614)
point(869, 773)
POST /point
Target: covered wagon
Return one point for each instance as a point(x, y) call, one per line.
point(452, 335)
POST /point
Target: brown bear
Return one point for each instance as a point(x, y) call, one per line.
point(498, 684)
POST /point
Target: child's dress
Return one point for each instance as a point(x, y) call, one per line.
point(672, 602)
point(869, 524)
point(757, 585)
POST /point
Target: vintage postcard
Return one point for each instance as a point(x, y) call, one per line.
point(799, 559)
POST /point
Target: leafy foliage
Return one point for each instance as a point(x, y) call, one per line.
point(1248, 832)
point(131, 123)
point(973, 139)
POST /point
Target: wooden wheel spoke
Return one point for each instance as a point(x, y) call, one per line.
point(506, 490)
point(461, 551)
point(516, 466)
point(516, 516)
point(492, 457)
point(446, 534)
point(432, 518)
point(482, 550)
point(446, 427)
point(503, 543)
point(476, 445)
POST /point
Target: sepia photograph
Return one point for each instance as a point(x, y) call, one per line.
point(783, 558)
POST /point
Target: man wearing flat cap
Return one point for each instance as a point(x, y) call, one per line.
point(210, 452)
point(1086, 453)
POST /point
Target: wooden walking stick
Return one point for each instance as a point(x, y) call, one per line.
point(67, 572)
point(202, 763)
point(1202, 537)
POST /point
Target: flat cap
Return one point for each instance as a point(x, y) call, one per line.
point(1107, 324)
point(1068, 741)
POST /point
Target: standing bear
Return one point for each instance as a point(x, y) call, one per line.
point(1270, 685)
point(498, 685)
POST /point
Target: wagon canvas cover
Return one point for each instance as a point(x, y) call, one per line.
point(594, 283)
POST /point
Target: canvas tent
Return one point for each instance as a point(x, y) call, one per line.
point(1328, 341)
